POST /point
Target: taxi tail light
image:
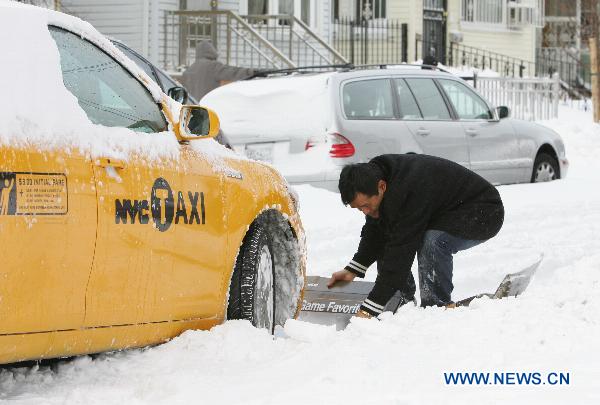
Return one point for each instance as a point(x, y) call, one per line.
point(341, 147)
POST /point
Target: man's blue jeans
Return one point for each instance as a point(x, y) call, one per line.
point(435, 266)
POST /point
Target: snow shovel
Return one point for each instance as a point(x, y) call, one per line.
point(512, 285)
point(336, 305)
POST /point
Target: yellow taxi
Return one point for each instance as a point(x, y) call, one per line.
point(122, 223)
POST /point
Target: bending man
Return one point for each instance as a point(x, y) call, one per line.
point(415, 204)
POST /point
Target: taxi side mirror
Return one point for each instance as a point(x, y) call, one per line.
point(197, 122)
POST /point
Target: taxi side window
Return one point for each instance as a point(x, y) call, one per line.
point(107, 92)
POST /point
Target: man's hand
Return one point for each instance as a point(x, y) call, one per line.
point(342, 275)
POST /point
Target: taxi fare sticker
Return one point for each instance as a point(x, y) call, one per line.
point(33, 193)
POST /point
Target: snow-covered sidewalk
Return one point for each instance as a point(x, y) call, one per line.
point(553, 328)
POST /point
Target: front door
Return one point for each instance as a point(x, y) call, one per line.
point(492, 144)
point(147, 190)
point(161, 241)
point(434, 129)
point(434, 29)
point(187, 244)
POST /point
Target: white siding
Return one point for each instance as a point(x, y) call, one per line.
point(408, 12)
point(138, 23)
point(157, 49)
point(519, 44)
point(323, 11)
point(198, 5)
point(120, 19)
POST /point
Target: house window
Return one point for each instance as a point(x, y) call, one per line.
point(286, 7)
point(305, 11)
point(377, 8)
point(258, 7)
point(561, 8)
point(483, 11)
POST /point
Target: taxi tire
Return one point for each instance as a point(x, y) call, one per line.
point(242, 291)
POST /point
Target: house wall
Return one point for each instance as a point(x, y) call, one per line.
point(408, 12)
point(137, 23)
point(520, 44)
point(159, 49)
point(123, 20)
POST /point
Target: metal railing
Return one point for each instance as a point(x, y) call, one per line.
point(462, 55)
point(458, 55)
point(574, 74)
point(295, 39)
point(528, 99)
point(237, 42)
point(261, 41)
point(371, 41)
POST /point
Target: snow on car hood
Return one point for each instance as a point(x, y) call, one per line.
point(273, 108)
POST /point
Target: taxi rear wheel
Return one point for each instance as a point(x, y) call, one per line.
point(252, 292)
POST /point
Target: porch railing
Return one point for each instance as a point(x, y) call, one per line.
point(262, 41)
point(295, 39)
point(575, 74)
point(371, 41)
point(458, 55)
point(237, 42)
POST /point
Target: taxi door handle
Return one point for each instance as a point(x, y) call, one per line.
point(423, 131)
point(110, 162)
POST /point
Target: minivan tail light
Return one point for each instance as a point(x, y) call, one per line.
point(341, 147)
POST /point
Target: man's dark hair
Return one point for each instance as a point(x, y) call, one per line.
point(359, 178)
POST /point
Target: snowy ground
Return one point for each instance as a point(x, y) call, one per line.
point(553, 327)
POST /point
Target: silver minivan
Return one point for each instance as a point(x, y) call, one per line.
point(352, 116)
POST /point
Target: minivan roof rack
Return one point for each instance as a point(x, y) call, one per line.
point(401, 65)
point(342, 67)
point(300, 69)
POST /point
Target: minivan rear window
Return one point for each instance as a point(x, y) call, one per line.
point(368, 99)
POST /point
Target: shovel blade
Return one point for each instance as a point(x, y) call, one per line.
point(337, 305)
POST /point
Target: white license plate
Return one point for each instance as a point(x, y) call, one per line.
point(260, 151)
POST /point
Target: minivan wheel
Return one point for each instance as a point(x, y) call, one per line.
point(252, 292)
point(545, 168)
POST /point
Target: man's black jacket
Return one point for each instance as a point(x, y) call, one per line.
point(423, 192)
